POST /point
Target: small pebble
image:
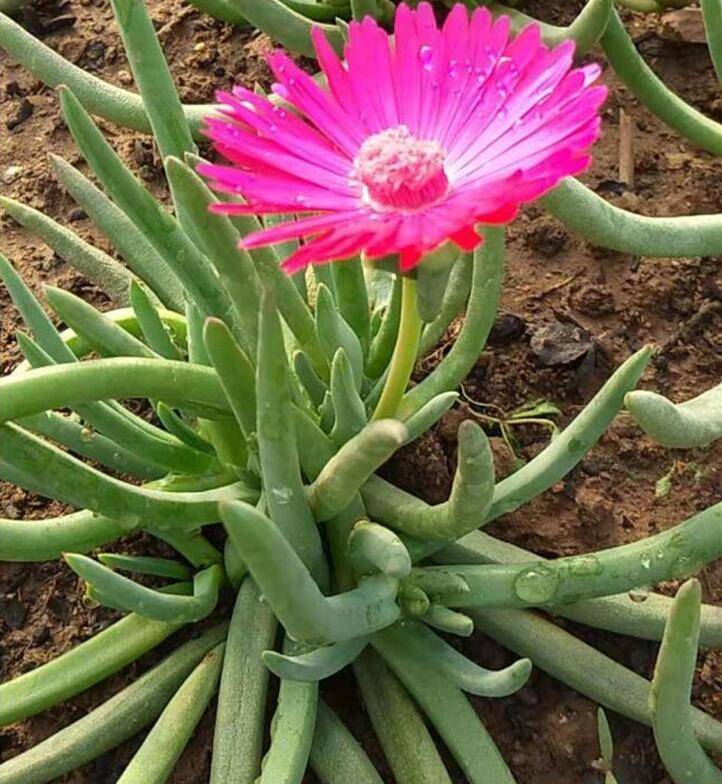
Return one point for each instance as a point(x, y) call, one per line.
point(76, 214)
point(12, 612)
point(11, 174)
point(559, 343)
point(507, 328)
point(23, 112)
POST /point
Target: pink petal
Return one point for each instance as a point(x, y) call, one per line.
point(511, 117)
point(299, 228)
point(264, 155)
point(466, 238)
point(276, 188)
point(317, 104)
point(370, 75)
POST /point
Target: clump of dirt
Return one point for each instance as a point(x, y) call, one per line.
point(556, 285)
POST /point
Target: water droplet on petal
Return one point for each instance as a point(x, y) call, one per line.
point(426, 57)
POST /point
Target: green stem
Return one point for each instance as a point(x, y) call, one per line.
point(678, 552)
point(292, 731)
point(155, 759)
point(404, 356)
point(467, 506)
point(336, 755)
point(43, 468)
point(579, 208)
point(649, 89)
point(285, 25)
point(712, 14)
point(641, 6)
point(618, 614)
point(585, 30)
point(448, 710)
point(683, 757)
point(398, 724)
point(316, 665)
point(345, 473)
point(81, 667)
point(582, 667)
point(220, 9)
point(59, 386)
point(113, 722)
point(153, 78)
point(455, 298)
point(107, 273)
point(290, 590)
point(238, 738)
point(696, 422)
point(487, 278)
point(382, 346)
point(46, 540)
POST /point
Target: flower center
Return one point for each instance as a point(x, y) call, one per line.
point(400, 171)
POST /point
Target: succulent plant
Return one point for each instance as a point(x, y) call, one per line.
point(266, 390)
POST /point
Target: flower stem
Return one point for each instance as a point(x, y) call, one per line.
point(404, 356)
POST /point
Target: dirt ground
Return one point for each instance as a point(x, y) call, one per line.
point(612, 303)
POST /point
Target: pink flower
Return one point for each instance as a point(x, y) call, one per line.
point(414, 142)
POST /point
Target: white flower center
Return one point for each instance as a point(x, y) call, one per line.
point(400, 171)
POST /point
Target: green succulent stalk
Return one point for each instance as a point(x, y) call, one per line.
point(275, 402)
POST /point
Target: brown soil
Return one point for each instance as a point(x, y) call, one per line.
point(546, 732)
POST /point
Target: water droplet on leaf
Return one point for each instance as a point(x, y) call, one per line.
point(282, 495)
point(537, 584)
point(638, 595)
point(586, 565)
